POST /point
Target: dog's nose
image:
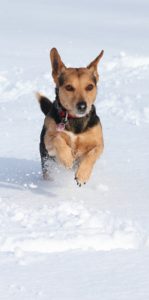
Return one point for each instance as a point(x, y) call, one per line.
point(81, 106)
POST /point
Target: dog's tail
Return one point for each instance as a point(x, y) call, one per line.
point(45, 103)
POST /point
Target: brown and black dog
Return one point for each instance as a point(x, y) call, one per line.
point(72, 131)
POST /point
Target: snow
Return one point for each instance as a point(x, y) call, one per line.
point(59, 241)
point(74, 275)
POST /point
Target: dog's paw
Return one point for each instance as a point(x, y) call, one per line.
point(82, 175)
point(66, 160)
point(79, 183)
point(46, 176)
point(68, 164)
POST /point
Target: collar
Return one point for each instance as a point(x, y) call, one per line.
point(63, 113)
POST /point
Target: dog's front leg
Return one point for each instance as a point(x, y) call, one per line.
point(63, 151)
point(86, 164)
point(58, 144)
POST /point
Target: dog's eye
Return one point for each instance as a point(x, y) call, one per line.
point(69, 88)
point(89, 87)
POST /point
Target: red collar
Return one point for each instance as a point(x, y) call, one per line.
point(64, 114)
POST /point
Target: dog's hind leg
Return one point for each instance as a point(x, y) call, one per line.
point(44, 162)
point(45, 158)
point(45, 167)
point(47, 164)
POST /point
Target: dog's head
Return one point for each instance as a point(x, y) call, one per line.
point(77, 87)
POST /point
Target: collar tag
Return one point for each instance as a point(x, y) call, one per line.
point(61, 127)
point(66, 118)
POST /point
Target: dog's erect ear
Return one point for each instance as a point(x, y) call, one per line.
point(93, 65)
point(57, 64)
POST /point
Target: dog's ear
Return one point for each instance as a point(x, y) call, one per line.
point(57, 64)
point(93, 65)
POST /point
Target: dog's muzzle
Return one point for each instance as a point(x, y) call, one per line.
point(81, 107)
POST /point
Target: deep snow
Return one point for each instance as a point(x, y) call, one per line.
point(59, 241)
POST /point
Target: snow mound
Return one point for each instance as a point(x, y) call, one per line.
point(64, 227)
point(124, 91)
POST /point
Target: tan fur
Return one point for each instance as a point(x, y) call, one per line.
point(89, 148)
point(57, 64)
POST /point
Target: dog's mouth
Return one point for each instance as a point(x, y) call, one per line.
point(82, 109)
point(81, 114)
point(77, 114)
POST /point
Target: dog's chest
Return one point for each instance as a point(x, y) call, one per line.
point(72, 138)
point(76, 143)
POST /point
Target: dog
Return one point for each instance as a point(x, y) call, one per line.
point(72, 131)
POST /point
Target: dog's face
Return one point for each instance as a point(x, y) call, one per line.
point(77, 87)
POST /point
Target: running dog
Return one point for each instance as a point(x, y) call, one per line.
point(72, 131)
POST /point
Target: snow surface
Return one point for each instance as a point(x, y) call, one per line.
point(58, 241)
